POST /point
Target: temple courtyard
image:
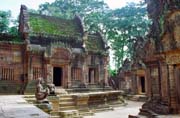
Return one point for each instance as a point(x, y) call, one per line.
point(15, 106)
point(123, 112)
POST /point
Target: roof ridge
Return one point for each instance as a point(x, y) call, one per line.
point(37, 14)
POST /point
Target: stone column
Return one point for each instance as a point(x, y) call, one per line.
point(138, 84)
point(69, 76)
point(173, 102)
point(164, 82)
point(49, 72)
point(149, 84)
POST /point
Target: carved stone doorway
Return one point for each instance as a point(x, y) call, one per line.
point(57, 76)
point(143, 88)
point(91, 75)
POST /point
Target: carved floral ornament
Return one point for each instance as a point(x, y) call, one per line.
point(173, 59)
point(61, 53)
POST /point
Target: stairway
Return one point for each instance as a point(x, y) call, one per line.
point(67, 107)
point(66, 102)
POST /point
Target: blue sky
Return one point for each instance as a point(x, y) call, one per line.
point(14, 5)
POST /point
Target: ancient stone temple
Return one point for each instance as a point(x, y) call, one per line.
point(56, 49)
point(131, 76)
point(161, 57)
point(156, 60)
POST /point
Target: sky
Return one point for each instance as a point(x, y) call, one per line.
point(14, 5)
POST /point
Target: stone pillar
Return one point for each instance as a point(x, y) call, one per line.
point(49, 76)
point(173, 102)
point(164, 82)
point(65, 76)
point(149, 85)
point(106, 61)
point(138, 84)
point(30, 72)
point(69, 76)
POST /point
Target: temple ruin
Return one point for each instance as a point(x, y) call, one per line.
point(159, 59)
point(58, 50)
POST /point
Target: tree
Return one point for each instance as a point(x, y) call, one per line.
point(91, 11)
point(13, 30)
point(4, 21)
point(126, 24)
point(120, 26)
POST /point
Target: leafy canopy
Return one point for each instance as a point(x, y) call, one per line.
point(123, 26)
point(120, 26)
point(4, 21)
point(91, 11)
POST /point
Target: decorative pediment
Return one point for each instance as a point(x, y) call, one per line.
point(61, 53)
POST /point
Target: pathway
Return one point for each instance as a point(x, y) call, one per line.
point(123, 112)
point(120, 112)
point(14, 106)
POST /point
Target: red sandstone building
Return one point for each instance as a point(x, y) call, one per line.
point(58, 50)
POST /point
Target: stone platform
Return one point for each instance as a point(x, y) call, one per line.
point(14, 106)
point(82, 104)
point(85, 103)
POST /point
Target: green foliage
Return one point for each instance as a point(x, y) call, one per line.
point(89, 10)
point(123, 26)
point(112, 72)
point(120, 26)
point(4, 21)
point(53, 26)
point(13, 30)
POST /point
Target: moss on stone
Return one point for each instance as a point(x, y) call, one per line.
point(53, 26)
point(94, 44)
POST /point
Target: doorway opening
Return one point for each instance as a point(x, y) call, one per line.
point(142, 79)
point(91, 75)
point(57, 76)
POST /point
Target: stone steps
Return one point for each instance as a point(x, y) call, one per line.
point(54, 114)
point(66, 102)
point(84, 111)
point(67, 108)
point(100, 108)
point(70, 114)
point(142, 98)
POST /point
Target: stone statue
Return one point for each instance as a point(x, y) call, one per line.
point(51, 88)
point(41, 93)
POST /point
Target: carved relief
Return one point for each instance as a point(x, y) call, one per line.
point(154, 72)
point(6, 57)
point(173, 59)
point(61, 53)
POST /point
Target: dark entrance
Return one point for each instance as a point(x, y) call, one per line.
point(91, 75)
point(142, 84)
point(57, 76)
